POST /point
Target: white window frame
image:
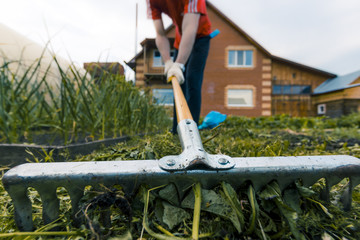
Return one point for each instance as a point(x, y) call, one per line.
point(247, 88)
point(159, 62)
point(163, 104)
point(237, 61)
point(236, 65)
point(321, 109)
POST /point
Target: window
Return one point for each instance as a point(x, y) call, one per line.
point(277, 89)
point(321, 109)
point(240, 58)
point(240, 98)
point(163, 96)
point(286, 89)
point(291, 89)
point(301, 89)
point(157, 60)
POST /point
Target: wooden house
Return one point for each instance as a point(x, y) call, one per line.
point(97, 69)
point(338, 96)
point(241, 77)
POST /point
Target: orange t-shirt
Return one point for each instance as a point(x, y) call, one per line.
point(176, 9)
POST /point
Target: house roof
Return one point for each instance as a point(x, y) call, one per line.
point(261, 48)
point(338, 83)
point(305, 67)
point(237, 28)
point(132, 64)
point(148, 42)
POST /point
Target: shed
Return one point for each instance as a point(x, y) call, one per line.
point(338, 96)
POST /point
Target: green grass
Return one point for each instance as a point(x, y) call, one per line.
point(81, 106)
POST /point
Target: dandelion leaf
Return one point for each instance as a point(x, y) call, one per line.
point(304, 191)
point(213, 203)
point(170, 194)
point(292, 198)
point(172, 215)
point(272, 192)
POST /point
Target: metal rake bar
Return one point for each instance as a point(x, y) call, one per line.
point(74, 176)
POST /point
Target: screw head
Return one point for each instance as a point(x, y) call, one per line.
point(223, 161)
point(170, 162)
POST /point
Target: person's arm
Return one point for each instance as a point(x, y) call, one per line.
point(161, 40)
point(189, 29)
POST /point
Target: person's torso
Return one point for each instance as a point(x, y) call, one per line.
point(176, 9)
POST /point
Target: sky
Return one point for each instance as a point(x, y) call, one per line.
point(319, 33)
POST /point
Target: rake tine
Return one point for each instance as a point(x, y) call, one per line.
point(50, 203)
point(346, 197)
point(22, 208)
point(76, 193)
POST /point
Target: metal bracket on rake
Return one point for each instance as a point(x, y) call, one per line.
point(74, 176)
point(193, 155)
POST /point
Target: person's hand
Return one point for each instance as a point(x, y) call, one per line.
point(168, 65)
point(176, 70)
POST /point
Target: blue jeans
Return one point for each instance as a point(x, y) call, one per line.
point(194, 73)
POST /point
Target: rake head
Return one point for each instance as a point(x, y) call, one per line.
point(74, 176)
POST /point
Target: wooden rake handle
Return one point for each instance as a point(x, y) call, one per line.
point(182, 109)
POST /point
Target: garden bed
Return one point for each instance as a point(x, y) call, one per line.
point(15, 154)
point(76, 116)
